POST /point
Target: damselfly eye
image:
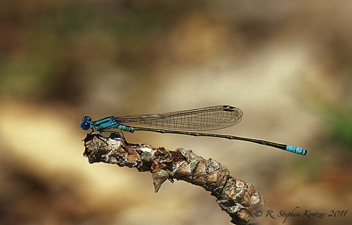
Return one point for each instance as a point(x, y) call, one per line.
point(85, 125)
point(86, 122)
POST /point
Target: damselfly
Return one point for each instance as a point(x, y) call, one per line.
point(187, 122)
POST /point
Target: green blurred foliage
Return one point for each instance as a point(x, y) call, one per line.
point(54, 44)
point(340, 124)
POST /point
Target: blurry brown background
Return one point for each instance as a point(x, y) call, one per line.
point(285, 64)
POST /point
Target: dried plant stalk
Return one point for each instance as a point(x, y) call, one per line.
point(236, 197)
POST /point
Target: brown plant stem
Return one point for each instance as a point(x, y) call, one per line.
point(236, 197)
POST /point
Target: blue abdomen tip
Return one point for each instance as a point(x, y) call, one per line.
point(296, 150)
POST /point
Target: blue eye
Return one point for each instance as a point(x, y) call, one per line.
point(85, 125)
point(86, 121)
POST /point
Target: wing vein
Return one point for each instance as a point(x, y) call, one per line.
point(209, 118)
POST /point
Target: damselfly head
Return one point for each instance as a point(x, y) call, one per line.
point(86, 122)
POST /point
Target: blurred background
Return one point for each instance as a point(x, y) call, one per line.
point(285, 64)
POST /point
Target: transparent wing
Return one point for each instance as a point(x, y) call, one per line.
point(209, 118)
